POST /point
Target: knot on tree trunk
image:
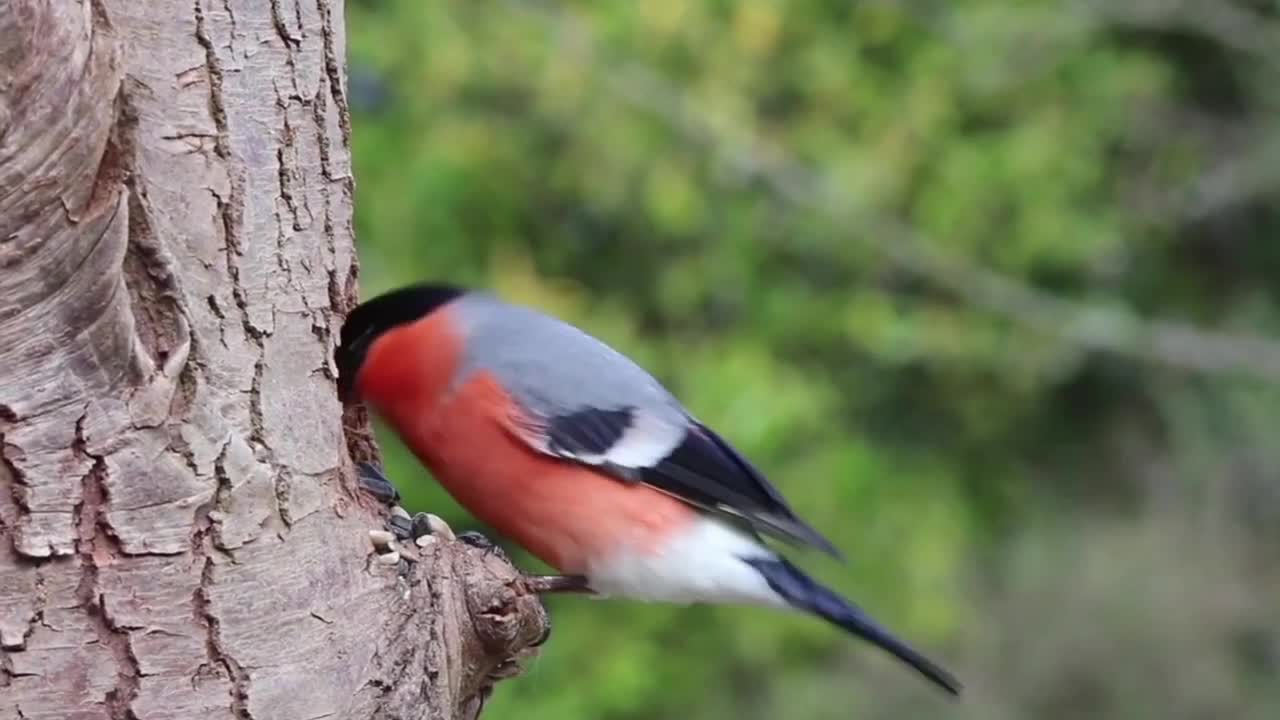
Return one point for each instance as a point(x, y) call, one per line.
point(506, 618)
point(461, 619)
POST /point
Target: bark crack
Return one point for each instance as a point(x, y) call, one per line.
point(203, 543)
point(279, 483)
point(340, 297)
point(230, 209)
point(216, 652)
point(282, 485)
point(41, 601)
point(96, 546)
point(231, 19)
point(334, 71)
point(282, 29)
point(230, 212)
point(287, 173)
point(206, 520)
point(13, 502)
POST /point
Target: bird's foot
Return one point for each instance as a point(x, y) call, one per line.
point(478, 540)
point(548, 584)
point(373, 481)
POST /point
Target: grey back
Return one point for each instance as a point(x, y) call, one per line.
point(551, 367)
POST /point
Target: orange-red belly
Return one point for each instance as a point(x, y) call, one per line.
point(564, 513)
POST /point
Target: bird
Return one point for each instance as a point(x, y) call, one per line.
point(570, 449)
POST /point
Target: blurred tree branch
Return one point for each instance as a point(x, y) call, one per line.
point(1097, 326)
point(1230, 24)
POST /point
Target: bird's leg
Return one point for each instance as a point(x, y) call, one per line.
point(548, 584)
point(478, 540)
point(538, 584)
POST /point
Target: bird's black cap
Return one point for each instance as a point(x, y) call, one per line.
point(370, 319)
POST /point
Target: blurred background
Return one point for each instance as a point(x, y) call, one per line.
point(990, 289)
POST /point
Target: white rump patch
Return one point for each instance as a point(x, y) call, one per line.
point(700, 564)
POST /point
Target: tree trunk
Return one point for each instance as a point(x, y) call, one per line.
point(180, 532)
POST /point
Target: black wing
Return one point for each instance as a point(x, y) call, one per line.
point(693, 464)
point(588, 433)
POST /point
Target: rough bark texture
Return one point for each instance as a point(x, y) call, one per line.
point(180, 536)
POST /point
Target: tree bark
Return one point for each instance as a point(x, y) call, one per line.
point(180, 532)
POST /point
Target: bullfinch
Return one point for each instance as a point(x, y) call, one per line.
point(573, 451)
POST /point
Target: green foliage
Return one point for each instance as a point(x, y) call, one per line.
point(719, 189)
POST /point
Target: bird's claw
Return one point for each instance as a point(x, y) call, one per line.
point(479, 541)
point(373, 481)
point(476, 540)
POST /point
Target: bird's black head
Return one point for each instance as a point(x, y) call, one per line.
point(370, 319)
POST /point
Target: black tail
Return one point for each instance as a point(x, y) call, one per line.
point(805, 594)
